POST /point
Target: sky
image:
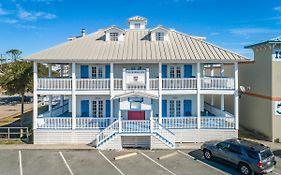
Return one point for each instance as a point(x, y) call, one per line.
point(34, 25)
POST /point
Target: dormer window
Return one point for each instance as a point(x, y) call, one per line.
point(137, 25)
point(113, 36)
point(159, 36)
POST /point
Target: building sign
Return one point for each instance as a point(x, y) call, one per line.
point(135, 77)
point(276, 55)
point(278, 108)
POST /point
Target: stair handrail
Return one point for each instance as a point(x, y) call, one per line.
point(164, 132)
point(107, 132)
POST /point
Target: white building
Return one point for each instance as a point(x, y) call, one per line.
point(135, 87)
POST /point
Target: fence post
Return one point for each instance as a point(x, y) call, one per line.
point(27, 135)
point(8, 133)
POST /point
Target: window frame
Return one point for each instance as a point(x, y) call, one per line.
point(175, 108)
point(97, 72)
point(98, 107)
point(159, 36)
point(113, 36)
point(137, 24)
point(175, 71)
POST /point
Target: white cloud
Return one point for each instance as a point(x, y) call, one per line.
point(33, 16)
point(251, 31)
point(278, 8)
point(214, 33)
point(9, 21)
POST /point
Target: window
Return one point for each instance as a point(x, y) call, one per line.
point(97, 72)
point(172, 108)
point(178, 108)
point(235, 149)
point(175, 108)
point(265, 154)
point(97, 108)
point(113, 36)
point(159, 36)
point(175, 72)
point(137, 25)
point(252, 154)
point(223, 145)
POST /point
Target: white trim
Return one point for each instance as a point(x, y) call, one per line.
point(198, 76)
point(160, 92)
point(73, 99)
point(35, 95)
point(236, 98)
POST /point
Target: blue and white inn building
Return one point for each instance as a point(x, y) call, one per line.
point(135, 87)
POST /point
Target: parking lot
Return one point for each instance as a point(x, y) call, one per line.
point(84, 162)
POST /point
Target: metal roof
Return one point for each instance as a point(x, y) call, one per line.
point(276, 40)
point(136, 47)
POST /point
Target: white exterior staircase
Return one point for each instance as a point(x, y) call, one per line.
point(110, 137)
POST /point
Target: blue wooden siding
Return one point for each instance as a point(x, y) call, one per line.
point(84, 71)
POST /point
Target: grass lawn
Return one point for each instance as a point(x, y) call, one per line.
point(6, 141)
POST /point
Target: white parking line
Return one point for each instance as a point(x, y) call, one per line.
point(202, 162)
point(275, 173)
point(157, 163)
point(65, 162)
point(20, 163)
point(111, 163)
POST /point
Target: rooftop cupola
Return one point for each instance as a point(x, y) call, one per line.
point(137, 22)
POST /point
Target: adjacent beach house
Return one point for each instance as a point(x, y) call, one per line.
point(135, 87)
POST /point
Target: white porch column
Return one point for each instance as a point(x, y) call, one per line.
point(147, 78)
point(111, 92)
point(160, 92)
point(124, 80)
point(222, 96)
point(198, 76)
point(50, 96)
point(119, 120)
point(61, 75)
point(212, 74)
point(73, 94)
point(50, 70)
point(236, 98)
point(35, 95)
point(151, 121)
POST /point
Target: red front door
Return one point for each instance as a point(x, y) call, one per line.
point(136, 115)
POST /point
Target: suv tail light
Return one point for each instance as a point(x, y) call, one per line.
point(260, 164)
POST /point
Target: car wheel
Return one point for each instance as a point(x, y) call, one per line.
point(245, 169)
point(207, 154)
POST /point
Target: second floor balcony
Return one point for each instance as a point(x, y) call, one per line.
point(65, 84)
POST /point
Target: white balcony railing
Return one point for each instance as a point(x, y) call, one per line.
point(153, 83)
point(54, 122)
point(179, 83)
point(54, 84)
point(92, 123)
point(217, 122)
point(167, 84)
point(118, 84)
point(93, 84)
point(180, 122)
point(135, 126)
point(217, 83)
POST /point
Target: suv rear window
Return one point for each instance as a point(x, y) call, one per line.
point(265, 154)
point(252, 154)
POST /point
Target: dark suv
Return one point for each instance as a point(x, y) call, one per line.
point(249, 157)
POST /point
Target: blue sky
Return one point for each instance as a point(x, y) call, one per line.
point(33, 25)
